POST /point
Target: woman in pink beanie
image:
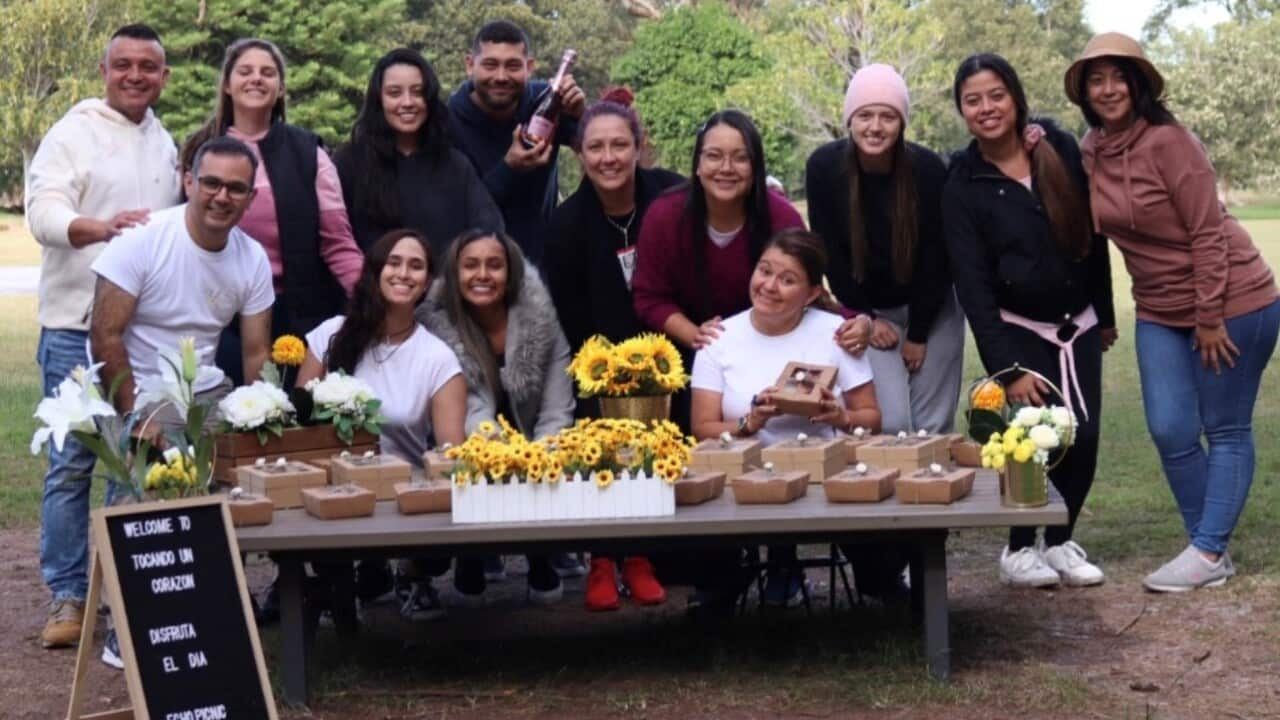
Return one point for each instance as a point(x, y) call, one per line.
point(876, 200)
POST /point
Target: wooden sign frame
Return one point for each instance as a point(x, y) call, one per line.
point(103, 577)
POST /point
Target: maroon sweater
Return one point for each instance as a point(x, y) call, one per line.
point(665, 282)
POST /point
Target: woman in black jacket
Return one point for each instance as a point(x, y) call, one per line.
point(590, 253)
point(399, 170)
point(875, 200)
point(1035, 284)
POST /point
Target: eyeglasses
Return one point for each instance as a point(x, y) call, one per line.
point(211, 186)
point(715, 158)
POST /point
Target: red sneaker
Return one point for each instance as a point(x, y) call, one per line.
point(602, 586)
point(637, 573)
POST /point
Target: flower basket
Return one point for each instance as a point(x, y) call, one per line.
point(314, 445)
point(570, 498)
point(644, 408)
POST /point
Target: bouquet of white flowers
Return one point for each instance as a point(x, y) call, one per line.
point(346, 401)
point(259, 408)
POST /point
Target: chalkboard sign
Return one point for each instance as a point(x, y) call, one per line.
point(180, 607)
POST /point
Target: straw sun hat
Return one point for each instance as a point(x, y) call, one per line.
point(1112, 44)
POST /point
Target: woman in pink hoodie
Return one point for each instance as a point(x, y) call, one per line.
point(1207, 310)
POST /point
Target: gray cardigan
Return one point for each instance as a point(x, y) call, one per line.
point(536, 356)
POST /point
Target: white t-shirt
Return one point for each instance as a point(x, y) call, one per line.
point(743, 361)
point(183, 289)
point(404, 377)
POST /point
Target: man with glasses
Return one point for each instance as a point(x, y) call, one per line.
point(102, 168)
point(186, 273)
point(486, 115)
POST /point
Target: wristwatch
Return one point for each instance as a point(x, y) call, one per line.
point(743, 429)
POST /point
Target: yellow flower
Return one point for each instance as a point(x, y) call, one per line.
point(155, 474)
point(1024, 451)
point(288, 350)
point(633, 354)
point(593, 370)
point(486, 428)
point(997, 462)
point(667, 364)
point(987, 395)
point(604, 478)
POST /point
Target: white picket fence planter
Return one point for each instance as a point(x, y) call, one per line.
point(578, 498)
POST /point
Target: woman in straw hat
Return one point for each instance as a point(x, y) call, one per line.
point(1206, 301)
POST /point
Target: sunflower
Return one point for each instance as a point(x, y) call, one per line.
point(623, 380)
point(288, 350)
point(633, 355)
point(593, 370)
point(667, 364)
point(604, 478)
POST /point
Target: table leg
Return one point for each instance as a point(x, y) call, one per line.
point(937, 632)
point(293, 636)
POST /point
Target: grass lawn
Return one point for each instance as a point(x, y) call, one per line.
point(17, 247)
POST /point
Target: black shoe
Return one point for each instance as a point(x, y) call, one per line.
point(544, 584)
point(269, 611)
point(468, 576)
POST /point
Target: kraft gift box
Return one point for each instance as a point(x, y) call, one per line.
point(436, 465)
point(923, 486)
point(424, 496)
point(820, 458)
point(760, 487)
point(282, 483)
point(335, 502)
point(732, 458)
point(697, 488)
point(799, 388)
point(378, 473)
point(907, 454)
point(851, 486)
point(248, 510)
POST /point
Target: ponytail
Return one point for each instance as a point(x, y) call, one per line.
point(1063, 201)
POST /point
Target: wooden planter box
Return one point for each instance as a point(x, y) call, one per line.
point(335, 502)
point(733, 458)
point(378, 473)
point(281, 484)
point(851, 486)
point(923, 486)
point(427, 496)
point(794, 396)
point(818, 458)
point(761, 487)
point(315, 445)
point(697, 488)
point(579, 498)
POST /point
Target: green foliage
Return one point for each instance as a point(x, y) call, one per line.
point(681, 66)
point(329, 50)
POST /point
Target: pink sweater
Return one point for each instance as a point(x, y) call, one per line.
point(1154, 193)
point(337, 243)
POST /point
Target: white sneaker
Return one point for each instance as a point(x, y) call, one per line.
point(1188, 571)
point(1072, 565)
point(1026, 568)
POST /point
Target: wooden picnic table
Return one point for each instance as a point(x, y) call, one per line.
point(294, 538)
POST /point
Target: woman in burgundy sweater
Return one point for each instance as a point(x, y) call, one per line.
point(1207, 305)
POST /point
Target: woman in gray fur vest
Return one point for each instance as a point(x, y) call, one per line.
point(492, 309)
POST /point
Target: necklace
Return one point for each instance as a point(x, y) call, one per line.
point(390, 340)
point(623, 228)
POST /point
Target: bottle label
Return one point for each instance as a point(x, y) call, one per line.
point(539, 128)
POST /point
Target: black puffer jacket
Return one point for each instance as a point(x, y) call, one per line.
point(1003, 254)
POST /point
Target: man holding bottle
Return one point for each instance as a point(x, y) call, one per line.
point(488, 115)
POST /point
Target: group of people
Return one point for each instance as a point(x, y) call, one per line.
point(430, 258)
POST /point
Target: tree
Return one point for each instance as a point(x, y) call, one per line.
point(1242, 11)
point(329, 50)
point(680, 67)
point(49, 55)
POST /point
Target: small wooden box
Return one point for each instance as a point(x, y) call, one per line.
point(817, 457)
point(312, 445)
point(967, 453)
point(923, 486)
point(378, 473)
point(697, 488)
point(334, 502)
point(429, 496)
point(851, 486)
point(798, 390)
point(761, 487)
point(281, 483)
point(436, 465)
point(732, 458)
point(249, 510)
point(906, 454)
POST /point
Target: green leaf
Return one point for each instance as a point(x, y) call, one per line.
point(982, 423)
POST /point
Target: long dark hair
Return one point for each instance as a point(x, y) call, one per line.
point(1145, 103)
point(1063, 199)
point(902, 215)
point(373, 142)
point(456, 308)
point(224, 113)
point(367, 310)
point(759, 220)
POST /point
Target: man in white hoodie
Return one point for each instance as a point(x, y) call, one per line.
point(102, 168)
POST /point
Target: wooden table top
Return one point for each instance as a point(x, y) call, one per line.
point(295, 530)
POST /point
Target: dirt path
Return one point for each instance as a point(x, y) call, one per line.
point(1106, 652)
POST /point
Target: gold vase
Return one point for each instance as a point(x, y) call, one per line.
point(643, 408)
point(1025, 485)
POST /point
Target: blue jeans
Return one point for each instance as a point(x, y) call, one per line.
point(1184, 400)
point(64, 512)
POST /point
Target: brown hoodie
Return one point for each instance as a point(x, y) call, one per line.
point(1153, 192)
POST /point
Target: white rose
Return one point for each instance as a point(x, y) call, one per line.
point(1028, 417)
point(1061, 417)
point(246, 408)
point(1045, 437)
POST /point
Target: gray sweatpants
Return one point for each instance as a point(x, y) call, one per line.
point(927, 398)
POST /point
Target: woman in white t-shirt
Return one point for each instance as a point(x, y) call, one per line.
point(734, 378)
point(415, 375)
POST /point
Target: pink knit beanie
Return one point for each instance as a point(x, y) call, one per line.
point(876, 84)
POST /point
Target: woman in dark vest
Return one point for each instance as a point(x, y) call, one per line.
point(399, 170)
point(588, 261)
point(297, 214)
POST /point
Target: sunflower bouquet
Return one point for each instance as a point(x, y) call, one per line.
point(599, 449)
point(645, 365)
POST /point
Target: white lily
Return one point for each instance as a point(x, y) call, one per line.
point(72, 407)
point(170, 386)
